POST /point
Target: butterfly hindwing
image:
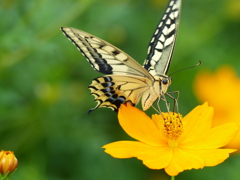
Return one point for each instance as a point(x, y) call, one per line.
point(162, 43)
point(112, 90)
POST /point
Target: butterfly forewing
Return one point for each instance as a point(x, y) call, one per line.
point(162, 43)
point(103, 56)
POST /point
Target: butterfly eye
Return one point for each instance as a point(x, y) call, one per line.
point(165, 81)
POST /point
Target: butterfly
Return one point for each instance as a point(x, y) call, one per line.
point(126, 80)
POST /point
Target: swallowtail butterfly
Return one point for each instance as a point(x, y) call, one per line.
point(126, 80)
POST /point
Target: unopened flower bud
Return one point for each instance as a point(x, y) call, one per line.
point(8, 162)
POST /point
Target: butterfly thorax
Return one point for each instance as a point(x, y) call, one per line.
point(159, 88)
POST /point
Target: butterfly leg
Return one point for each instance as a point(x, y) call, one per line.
point(175, 99)
point(163, 97)
point(158, 109)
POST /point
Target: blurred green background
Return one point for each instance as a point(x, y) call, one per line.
point(44, 97)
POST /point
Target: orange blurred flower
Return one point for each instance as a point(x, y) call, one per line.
point(8, 163)
point(221, 90)
point(171, 142)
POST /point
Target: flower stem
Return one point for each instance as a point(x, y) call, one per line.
point(172, 177)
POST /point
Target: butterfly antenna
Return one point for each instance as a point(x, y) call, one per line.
point(198, 64)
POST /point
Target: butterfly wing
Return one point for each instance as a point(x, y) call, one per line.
point(103, 56)
point(162, 43)
point(126, 80)
point(113, 90)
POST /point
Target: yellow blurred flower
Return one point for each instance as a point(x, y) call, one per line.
point(232, 8)
point(221, 90)
point(173, 143)
point(8, 163)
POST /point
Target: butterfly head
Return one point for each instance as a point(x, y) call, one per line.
point(165, 82)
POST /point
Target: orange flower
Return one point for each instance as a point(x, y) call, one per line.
point(171, 142)
point(221, 90)
point(8, 163)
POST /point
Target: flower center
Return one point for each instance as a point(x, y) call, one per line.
point(173, 127)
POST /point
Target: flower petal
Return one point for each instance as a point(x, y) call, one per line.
point(152, 156)
point(186, 159)
point(215, 138)
point(139, 126)
point(183, 160)
point(121, 149)
point(234, 144)
point(213, 157)
point(197, 122)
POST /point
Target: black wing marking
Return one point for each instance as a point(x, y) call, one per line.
point(111, 90)
point(103, 56)
point(162, 43)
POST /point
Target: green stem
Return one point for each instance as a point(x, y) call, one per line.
point(172, 177)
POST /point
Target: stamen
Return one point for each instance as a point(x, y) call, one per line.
point(173, 127)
